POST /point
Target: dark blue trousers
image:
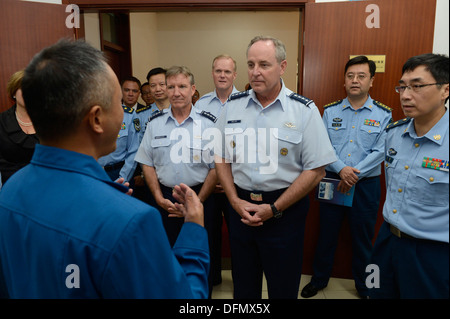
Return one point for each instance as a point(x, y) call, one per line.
point(410, 268)
point(362, 217)
point(275, 248)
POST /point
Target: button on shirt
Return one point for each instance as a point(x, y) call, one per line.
point(180, 153)
point(127, 145)
point(357, 135)
point(417, 180)
point(210, 102)
point(268, 147)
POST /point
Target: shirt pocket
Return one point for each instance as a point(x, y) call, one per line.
point(389, 163)
point(368, 135)
point(336, 132)
point(288, 145)
point(161, 151)
point(199, 153)
point(430, 187)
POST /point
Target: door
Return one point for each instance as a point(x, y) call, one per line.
point(393, 30)
point(25, 29)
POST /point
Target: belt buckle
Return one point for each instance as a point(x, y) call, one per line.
point(395, 231)
point(256, 197)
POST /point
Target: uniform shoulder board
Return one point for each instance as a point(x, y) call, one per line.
point(127, 109)
point(300, 98)
point(155, 115)
point(139, 110)
point(333, 103)
point(398, 123)
point(238, 95)
point(208, 116)
point(384, 107)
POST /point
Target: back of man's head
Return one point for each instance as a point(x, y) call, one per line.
point(60, 85)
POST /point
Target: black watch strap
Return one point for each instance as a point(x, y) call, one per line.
point(275, 211)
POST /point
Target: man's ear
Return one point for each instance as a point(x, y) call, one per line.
point(95, 118)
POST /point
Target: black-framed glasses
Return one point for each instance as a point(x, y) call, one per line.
point(415, 87)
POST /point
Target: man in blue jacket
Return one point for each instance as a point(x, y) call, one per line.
point(69, 231)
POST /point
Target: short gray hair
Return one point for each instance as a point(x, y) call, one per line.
point(280, 49)
point(176, 70)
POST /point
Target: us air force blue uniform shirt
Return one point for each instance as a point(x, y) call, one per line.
point(127, 145)
point(180, 153)
point(211, 103)
point(268, 147)
point(417, 200)
point(70, 232)
point(357, 135)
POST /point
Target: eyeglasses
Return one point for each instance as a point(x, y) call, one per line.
point(415, 87)
point(361, 76)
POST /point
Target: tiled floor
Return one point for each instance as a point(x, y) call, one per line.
point(337, 288)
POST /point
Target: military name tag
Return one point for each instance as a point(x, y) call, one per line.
point(435, 163)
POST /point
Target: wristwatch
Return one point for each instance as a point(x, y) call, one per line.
point(276, 213)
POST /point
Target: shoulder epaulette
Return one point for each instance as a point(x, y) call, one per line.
point(155, 115)
point(300, 98)
point(333, 103)
point(146, 107)
point(384, 107)
point(208, 116)
point(127, 109)
point(238, 95)
point(398, 123)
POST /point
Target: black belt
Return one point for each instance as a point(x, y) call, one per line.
point(259, 197)
point(114, 166)
point(398, 233)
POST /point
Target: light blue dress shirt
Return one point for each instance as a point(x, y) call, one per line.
point(357, 135)
point(127, 145)
point(179, 152)
point(268, 147)
point(211, 103)
point(417, 200)
point(143, 114)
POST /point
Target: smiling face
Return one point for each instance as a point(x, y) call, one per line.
point(358, 81)
point(428, 101)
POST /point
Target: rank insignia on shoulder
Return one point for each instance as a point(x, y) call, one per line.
point(139, 110)
point(333, 103)
point(398, 123)
point(155, 115)
point(127, 109)
point(383, 106)
point(137, 125)
point(301, 98)
point(209, 116)
point(238, 95)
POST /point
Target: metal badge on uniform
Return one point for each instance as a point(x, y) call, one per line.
point(336, 124)
point(392, 152)
point(256, 197)
point(388, 159)
point(435, 163)
point(289, 124)
point(437, 137)
point(337, 119)
point(233, 144)
point(137, 125)
point(284, 151)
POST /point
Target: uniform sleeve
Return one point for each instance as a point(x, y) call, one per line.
point(317, 150)
point(143, 265)
point(376, 154)
point(338, 165)
point(144, 154)
point(129, 167)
